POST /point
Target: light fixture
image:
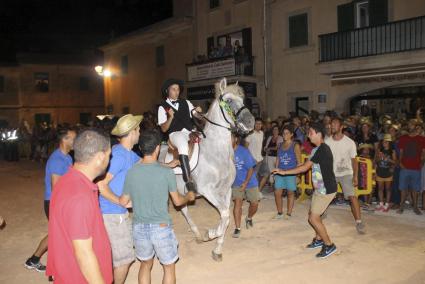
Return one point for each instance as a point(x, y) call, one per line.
point(107, 73)
point(99, 69)
point(103, 72)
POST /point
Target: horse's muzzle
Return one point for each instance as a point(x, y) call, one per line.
point(245, 121)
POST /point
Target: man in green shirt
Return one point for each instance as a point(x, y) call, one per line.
point(148, 185)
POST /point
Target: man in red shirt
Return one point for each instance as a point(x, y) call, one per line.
point(79, 249)
point(412, 151)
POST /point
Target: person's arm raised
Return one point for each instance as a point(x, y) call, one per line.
point(166, 125)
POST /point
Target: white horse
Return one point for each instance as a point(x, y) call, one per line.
point(215, 170)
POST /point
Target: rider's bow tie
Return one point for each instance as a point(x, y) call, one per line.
point(174, 102)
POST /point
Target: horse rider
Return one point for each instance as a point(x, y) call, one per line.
point(175, 117)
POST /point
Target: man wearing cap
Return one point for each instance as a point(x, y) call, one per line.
point(115, 216)
point(175, 119)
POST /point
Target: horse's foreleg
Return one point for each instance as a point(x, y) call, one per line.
point(220, 233)
point(192, 225)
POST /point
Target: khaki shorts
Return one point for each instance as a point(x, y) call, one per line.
point(250, 194)
point(320, 202)
point(119, 230)
point(347, 186)
point(378, 178)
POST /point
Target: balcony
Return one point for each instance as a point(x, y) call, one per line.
point(394, 37)
point(220, 67)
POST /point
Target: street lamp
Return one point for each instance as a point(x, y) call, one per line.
point(103, 72)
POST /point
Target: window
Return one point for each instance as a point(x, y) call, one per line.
point(298, 30)
point(160, 58)
point(362, 14)
point(1, 84)
point(84, 84)
point(41, 80)
point(124, 64)
point(214, 4)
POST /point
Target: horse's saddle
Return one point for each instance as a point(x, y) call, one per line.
point(173, 154)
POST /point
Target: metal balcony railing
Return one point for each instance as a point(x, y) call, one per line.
point(399, 36)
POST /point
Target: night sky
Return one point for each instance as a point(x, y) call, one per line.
point(68, 26)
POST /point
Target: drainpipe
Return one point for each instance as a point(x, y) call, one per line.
point(266, 83)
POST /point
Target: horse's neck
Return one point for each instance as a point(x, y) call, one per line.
point(216, 133)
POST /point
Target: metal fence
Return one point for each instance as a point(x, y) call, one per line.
point(392, 37)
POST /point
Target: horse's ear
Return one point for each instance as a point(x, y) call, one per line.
point(223, 85)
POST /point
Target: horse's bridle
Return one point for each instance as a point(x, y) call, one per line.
point(224, 106)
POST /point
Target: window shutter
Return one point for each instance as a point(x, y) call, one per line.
point(210, 44)
point(378, 12)
point(298, 30)
point(247, 40)
point(160, 56)
point(346, 17)
point(124, 64)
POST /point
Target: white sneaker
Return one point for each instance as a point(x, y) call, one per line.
point(277, 217)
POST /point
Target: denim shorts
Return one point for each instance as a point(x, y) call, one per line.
point(410, 179)
point(285, 182)
point(155, 239)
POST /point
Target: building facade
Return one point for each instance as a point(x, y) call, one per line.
point(342, 55)
point(182, 47)
point(141, 61)
point(288, 55)
point(49, 89)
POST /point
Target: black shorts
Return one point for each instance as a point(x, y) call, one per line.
point(46, 208)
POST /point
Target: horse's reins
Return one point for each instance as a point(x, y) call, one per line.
point(234, 116)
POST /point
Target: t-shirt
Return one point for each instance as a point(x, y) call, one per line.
point(57, 164)
point(75, 215)
point(149, 186)
point(383, 166)
point(243, 163)
point(343, 151)
point(412, 147)
point(255, 140)
point(323, 176)
point(122, 160)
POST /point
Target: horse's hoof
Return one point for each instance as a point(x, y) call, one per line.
point(206, 236)
point(217, 256)
point(199, 239)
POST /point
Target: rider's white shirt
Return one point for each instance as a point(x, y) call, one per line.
point(162, 114)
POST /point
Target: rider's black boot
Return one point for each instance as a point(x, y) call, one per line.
point(184, 164)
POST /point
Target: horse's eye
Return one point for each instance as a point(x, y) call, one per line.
point(228, 101)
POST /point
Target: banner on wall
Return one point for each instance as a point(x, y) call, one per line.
point(211, 70)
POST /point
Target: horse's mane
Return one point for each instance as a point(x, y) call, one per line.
point(234, 89)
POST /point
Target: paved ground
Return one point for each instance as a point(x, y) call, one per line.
point(393, 251)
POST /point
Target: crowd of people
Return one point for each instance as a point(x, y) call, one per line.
point(395, 149)
point(114, 166)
